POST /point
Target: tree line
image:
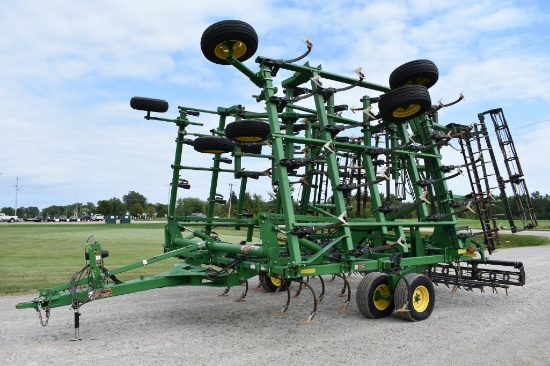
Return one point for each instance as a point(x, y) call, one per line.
point(137, 205)
point(133, 203)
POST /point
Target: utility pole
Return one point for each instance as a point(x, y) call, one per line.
point(16, 189)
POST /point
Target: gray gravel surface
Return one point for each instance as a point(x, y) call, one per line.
point(195, 326)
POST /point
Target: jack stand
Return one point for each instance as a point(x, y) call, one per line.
point(76, 326)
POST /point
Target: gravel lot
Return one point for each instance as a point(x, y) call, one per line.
point(194, 326)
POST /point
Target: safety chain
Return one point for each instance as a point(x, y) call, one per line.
point(47, 309)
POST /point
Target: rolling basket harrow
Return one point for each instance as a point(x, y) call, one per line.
point(300, 139)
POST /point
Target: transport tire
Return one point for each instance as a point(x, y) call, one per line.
point(417, 72)
point(221, 37)
point(272, 284)
point(404, 103)
point(247, 131)
point(374, 296)
point(149, 104)
point(213, 145)
point(418, 298)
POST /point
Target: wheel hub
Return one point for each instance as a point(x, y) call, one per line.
point(406, 111)
point(238, 49)
point(381, 297)
point(421, 299)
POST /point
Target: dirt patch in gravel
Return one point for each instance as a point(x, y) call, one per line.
point(193, 325)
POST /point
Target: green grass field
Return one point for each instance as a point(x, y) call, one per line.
point(35, 256)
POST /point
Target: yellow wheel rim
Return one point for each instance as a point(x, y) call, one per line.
point(406, 112)
point(419, 81)
point(213, 151)
point(276, 281)
point(248, 138)
point(420, 299)
point(381, 303)
point(237, 47)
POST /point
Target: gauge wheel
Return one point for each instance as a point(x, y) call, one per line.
point(247, 131)
point(149, 104)
point(213, 145)
point(404, 103)
point(415, 302)
point(229, 37)
point(374, 298)
point(417, 72)
point(272, 283)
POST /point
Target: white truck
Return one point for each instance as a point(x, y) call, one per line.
point(98, 217)
point(7, 218)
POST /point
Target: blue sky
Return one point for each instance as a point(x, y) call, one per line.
point(69, 69)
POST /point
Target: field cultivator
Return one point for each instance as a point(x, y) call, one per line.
point(349, 174)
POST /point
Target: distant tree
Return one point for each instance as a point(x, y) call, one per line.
point(161, 209)
point(151, 211)
point(32, 211)
point(89, 208)
point(233, 198)
point(254, 203)
point(136, 209)
point(104, 207)
point(22, 212)
point(118, 207)
point(186, 206)
point(53, 211)
point(133, 198)
point(7, 210)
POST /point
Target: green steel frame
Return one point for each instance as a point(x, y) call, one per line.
point(322, 232)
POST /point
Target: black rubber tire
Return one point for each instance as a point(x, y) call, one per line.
point(149, 104)
point(247, 130)
point(368, 302)
point(214, 37)
point(404, 103)
point(272, 284)
point(213, 145)
point(420, 297)
point(417, 72)
point(251, 149)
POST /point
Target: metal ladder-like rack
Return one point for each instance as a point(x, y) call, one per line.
point(523, 202)
point(484, 173)
point(479, 160)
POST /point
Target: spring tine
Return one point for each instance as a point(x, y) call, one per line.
point(285, 308)
point(224, 293)
point(322, 295)
point(314, 311)
point(243, 295)
point(345, 307)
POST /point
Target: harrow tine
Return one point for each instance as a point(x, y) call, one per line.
point(285, 308)
point(225, 292)
point(299, 290)
point(243, 295)
point(315, 302)
point(322, 295)
point(345, 307)
point(345, 287)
